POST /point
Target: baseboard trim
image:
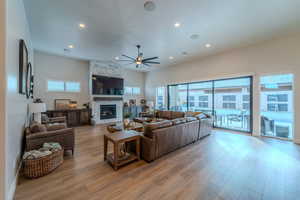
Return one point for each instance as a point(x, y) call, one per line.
point(12, 188)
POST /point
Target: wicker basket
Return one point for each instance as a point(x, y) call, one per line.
point(42, 166)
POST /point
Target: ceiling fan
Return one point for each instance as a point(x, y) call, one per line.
point(140, 60)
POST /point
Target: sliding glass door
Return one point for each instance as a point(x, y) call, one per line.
point(178, 97)
point(276, 106)
point(232, 107)
point(201, 97)
point(228, 100)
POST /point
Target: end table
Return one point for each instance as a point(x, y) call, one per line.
point(118, 138)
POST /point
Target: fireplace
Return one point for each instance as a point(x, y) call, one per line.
point(108, 111)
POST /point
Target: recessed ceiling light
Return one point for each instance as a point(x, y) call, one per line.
point(117, 58)
point(71, 46)
point(82, 26)
point(149, 6)
point(177, 25)
point(171, 57)
point(194, 36)
point(208, 45)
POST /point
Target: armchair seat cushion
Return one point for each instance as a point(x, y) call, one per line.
point(56, 126)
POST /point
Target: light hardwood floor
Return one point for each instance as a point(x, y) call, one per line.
point(223, 166)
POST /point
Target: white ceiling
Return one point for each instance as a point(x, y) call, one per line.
point(114, 27)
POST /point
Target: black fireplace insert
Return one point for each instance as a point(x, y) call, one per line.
point(108, 111)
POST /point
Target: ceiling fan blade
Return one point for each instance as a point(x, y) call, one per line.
point(146, 64)
point(128, 57)
point(137, 66)
point(152, 62)
point(150, 59)
point(125, 60)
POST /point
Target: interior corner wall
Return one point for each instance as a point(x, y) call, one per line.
point(53, 67)
point(16, 104)
point(275, 56)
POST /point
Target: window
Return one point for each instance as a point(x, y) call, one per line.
point(178, 97)
point(271, 107)
point(278, 97)
point(203, 98)
point(55, 86)
point(272, 97)
point(282, 107)
point(203, 104)
point(276, 102)
point(229, 98)
point(191, 104)
point(229, 105)
point(72, 87)
point(62, 86)
point(277, 105)
point(160, 98)
point(132, 90)
point(192, 98)
point(246, 106)
point(128, 90)
point(282, 97)
point(246, 97)
point(136, 91)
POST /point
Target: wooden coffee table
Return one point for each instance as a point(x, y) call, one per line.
point(119, 138)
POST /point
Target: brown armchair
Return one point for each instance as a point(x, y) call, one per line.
point(35, 138)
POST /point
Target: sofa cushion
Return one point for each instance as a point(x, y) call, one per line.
point(189, 119)
point(191, 114)
point(164, 114)
point(176, 114)
point(149, 127)
point(36, 127)
point(178, 121)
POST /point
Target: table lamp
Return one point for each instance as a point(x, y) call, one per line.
point(36, 109)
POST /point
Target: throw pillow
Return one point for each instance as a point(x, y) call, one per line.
point(36, 127)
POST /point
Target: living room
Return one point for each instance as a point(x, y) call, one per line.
point(123, 100)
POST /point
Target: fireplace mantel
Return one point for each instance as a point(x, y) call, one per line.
point(107, 98)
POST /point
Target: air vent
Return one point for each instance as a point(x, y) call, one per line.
point(149, 6)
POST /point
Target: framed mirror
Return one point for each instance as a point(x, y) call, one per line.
point(29, 80)
point(23, 62)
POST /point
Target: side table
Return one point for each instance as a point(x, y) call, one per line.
point(118, 138)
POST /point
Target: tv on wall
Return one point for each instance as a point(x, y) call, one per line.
point(104, 85)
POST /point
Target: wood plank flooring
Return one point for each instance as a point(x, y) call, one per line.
point(223, 166)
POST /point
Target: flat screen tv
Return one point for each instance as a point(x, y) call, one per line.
point(104, 85)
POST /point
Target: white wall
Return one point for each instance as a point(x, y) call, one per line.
point(270, 57)
point(55, 67)
point(134, 79)
point(16, 104)
point(2, 98)
point(52, 67)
